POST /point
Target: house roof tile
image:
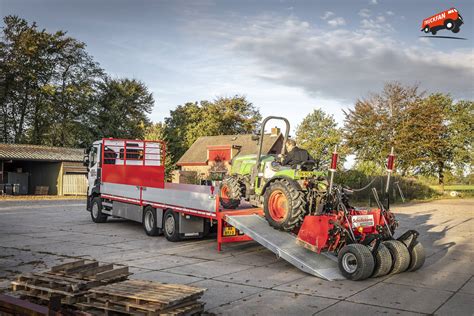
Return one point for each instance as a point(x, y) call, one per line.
point(39, 153)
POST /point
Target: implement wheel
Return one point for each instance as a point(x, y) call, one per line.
point(230, 193)
point(400, 255)
point(418, 256)
point(383, 261)
point(284, 205)
point(356, 262)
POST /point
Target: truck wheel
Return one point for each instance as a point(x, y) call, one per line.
point(356, 262)
point(434, 32)
point(171, 225)
point(426, 29)
point(449, 24)
point(96, 211)
point(417, 255)
point(455, 30)
point(149, 222)
point(284, 205)
point(400, 255)
point(383, 261)
point(230, 193)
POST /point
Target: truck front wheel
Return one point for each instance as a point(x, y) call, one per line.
point(96, 211)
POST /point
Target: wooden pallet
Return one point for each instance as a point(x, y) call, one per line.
point(69, 281)
point(138, 297)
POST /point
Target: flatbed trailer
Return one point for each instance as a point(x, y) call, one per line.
point(126, 180)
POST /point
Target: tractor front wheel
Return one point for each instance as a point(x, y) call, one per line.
point(230, 193)
point(284, 205)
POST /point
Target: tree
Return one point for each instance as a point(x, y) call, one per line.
point(379, 122)
point(156, 131)
point(121, 108)
point(318, 133)
point(223, 116)
point(45, 83)
point(431, 135)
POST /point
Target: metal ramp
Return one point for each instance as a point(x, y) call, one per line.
point(284, 246)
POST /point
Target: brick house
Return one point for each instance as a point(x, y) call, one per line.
point(209, 157)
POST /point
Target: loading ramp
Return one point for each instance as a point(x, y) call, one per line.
point(284, 245)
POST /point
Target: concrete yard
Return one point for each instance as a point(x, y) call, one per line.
point(245, 278)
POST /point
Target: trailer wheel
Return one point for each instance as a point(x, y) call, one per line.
point(400, 255)
point(417, 255)
point(383, 261)
point(149, 222)
point(171, 225)
point(356, 262)
point(96, 211)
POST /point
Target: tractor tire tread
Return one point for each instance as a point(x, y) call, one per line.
point(236, 189)
point(298, 204)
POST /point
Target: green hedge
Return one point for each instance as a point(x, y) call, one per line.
point(410, 188)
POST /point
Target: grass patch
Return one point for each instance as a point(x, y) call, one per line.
point(454, 187)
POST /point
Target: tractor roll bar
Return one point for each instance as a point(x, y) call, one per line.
point(262, 133)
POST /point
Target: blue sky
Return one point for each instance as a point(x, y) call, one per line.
point(287, 57)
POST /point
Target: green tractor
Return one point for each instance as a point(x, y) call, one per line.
point(287, 194)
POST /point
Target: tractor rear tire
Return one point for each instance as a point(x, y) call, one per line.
point(383, 261)
point(356, 262)
point(284, 205)
point(230, 193)
point(400, 255)
point(418, 256)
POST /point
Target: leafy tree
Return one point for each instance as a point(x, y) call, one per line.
point(223, 116)
point(318, 133)
point(121, 109)
point(379, 122)
point(45, 84)
point(431, 135)
point(156, 131)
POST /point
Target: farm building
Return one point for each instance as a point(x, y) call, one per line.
point(209, 157)
point(31, 169)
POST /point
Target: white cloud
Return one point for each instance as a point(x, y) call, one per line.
point(337, 22)
point(373, 2)
point(365, 13)
point(344, 64)
point(327, 15)
point(390, 13)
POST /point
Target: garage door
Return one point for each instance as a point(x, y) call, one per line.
point(74, 184)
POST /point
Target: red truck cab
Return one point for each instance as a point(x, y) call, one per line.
point(449, 19)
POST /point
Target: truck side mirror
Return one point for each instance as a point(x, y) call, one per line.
point(85, 161)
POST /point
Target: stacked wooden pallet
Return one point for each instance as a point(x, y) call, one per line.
point(69, 281)
point(138, 297)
